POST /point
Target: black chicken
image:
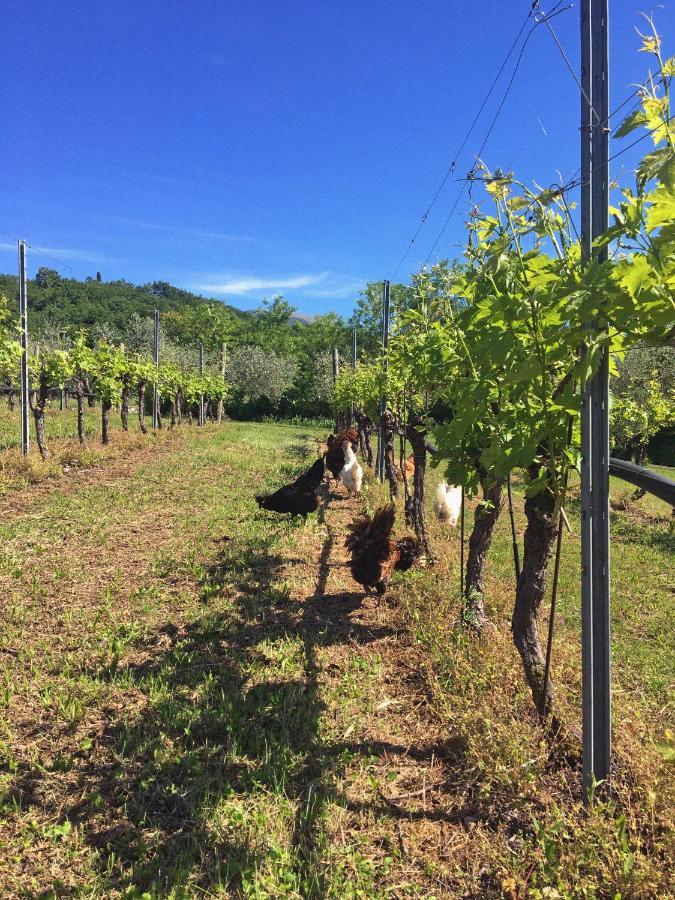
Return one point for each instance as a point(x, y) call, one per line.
point(375, 555)
point(298, 498)
point(335, 457)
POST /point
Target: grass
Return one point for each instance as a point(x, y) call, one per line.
point(195, 701)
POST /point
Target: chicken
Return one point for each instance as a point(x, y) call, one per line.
point(375, 555)
point(351, 475)
point(335, 458)
point(298, 498)
point(409, 469)
point(447, 503)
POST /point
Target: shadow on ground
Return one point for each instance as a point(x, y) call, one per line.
point(206, 735)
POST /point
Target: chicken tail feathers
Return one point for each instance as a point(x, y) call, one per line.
point(313, 477)
point(371, 530)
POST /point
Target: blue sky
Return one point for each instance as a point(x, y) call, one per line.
point(248, 149)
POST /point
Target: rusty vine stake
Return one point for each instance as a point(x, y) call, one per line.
point(543, 710)
point(514, 536)
point(461, 547)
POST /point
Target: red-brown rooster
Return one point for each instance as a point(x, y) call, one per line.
point(375, 555)
point(335, 457)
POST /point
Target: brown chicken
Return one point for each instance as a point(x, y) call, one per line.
point(335, 458)
point(375, 555)
point(298, 498)
point(409, 469)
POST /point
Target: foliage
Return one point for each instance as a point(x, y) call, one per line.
point(108, 366)
point(367, 314)
point(256, 372)
point(635, 419)
point(498, 341)
point(10, 348)
point(362, 387)
point(67, 302)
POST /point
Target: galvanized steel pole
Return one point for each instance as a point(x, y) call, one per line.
point(201, 372)
point(23, 322)
point(379, 471)
point(155, 359)
point(595, 586)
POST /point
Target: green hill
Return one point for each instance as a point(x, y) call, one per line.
point(66, 301)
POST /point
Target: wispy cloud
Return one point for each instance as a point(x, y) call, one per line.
point(239, 285)
point(339, 291)
point(59, 252)
point(177, 230)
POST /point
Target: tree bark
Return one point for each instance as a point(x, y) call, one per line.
point(106, 406)
point(363, 424)
point(221, 403)
point(479, 546)
point(141, 407)
point(387, 424)
point(124, 406)
point(91, 399)
point(159, 412)
point(414, 513)
point(38, 401)
point(79, 397)
point(540, 535)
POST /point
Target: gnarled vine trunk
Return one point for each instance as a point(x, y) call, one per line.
point(414, 512)
point(540, 535)
point(124, 406)
point(387, 425)
point(141, 406)
point(106, 406)
point(11, 400)
point(484, 523)
point(38, 401)
point(79, 399)
point(91, 399)
point(363, 426)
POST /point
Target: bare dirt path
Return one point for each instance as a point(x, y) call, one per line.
point(396, 797)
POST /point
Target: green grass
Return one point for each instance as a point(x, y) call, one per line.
point(59, 424)
point(194, 702)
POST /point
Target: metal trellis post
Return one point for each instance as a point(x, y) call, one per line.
point(201, 372)
point(379, 471)
point(595, 585)
point(351, 422)
point(23, 320)
point(335, 365)
point(155, 359)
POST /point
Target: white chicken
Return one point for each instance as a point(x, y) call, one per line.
point(447, 503)
point(351, 475)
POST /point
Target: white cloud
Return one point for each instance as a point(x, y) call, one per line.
point(349, 288)
point(174, 229)
point(58, 252)
point(239, 285)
